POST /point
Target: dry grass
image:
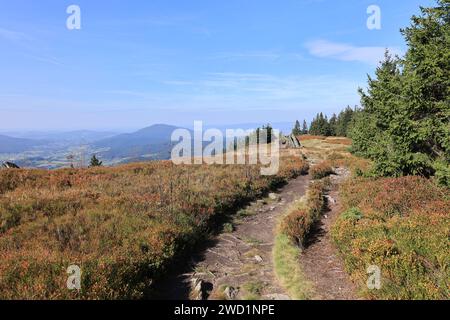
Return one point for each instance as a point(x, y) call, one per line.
point(339, 140)
point(320, 149)
point(335, 152)
point(307, 137)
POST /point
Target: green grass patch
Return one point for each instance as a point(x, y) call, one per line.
point(292, 231)
point(288, 269)
point(254, 290)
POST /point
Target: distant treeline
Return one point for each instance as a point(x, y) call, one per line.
point(337, 125)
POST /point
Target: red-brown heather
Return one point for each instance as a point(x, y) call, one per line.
point(402, 226)
point(298, 223)
point(123, 226)
point(321, 170)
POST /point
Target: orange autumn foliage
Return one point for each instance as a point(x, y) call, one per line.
point(402, 226)
point(124, 226)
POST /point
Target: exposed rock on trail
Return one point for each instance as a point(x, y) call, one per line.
point(238, 264)
point(319, 260)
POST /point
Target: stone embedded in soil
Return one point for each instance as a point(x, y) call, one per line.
point(277, 296)
point(258, 259)
point(230, 293)
point(197, 291)
point(200, 289)
point(231, 259)
point(330, 199)
point(273, 196)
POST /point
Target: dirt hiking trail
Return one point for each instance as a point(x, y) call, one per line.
point(319, 260)
point(237, 264)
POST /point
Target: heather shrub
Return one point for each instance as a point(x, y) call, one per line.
point(352, 214)
point(402, 226)
point(296, 225)
point(123, 226)
point(298, 222)
point(316, 202)
point(321, 170)
point(292, 232)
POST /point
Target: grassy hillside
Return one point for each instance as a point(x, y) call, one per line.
point(123, 226)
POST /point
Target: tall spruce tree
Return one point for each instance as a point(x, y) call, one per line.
point(320, 126)
point(332, 125)
point(297, 129)
point(343, 122)
point(304, 127)
point(314, 127)
point(404, 124)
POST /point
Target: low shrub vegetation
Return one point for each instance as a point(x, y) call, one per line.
point(402, 226)
point(292, 232)
point(307, 137)
point(298, 222)
point(358, 166)
point(321, 170)
point(122, 226)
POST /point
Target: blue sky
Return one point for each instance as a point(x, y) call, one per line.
point(135, 63)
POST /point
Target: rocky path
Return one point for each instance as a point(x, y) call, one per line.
point(320, 261)
point(238, 264)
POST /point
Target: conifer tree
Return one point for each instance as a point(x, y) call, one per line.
point(95, 162)
point(305, 127)
point(297, 129)
point(404, 122)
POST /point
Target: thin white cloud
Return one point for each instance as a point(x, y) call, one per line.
point(267, 87)
point(161, 20)
point(259, 55)
point(28, 46)
point(347, 52)
point(44, 59)
point(12, 35)
point(132, 93)
point(252, 55)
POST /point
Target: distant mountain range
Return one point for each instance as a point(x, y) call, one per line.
point(53, 149)
point(153, 142)
point(77, 136)
point(16, 145)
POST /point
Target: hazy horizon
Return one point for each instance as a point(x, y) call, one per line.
point(130, 130)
